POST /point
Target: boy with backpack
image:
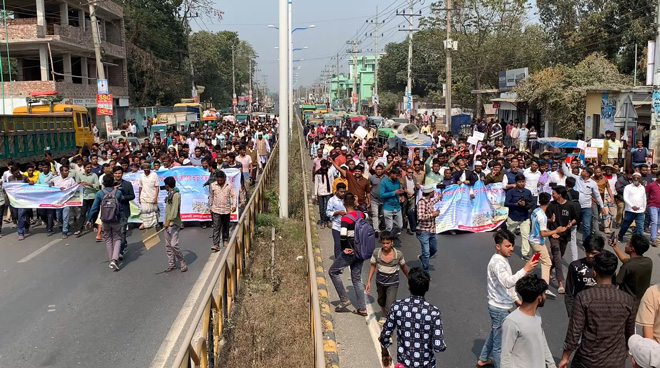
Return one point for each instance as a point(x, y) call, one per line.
point(357, 239)
point(107, 204)
point(386, 263)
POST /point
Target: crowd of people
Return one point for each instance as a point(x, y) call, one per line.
point(107, 197)
point(368, 191)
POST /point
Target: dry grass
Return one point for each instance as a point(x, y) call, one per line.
point(271, 326)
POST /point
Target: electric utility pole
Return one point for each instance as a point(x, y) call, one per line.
point(375, 36)
point(233, 76)
point(100, 71)
point(354, 95)
point(410, 29)
point(250, 90)
point(450, 45)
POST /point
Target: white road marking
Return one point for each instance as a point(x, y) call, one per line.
point(39, 251)
point(51, 308)
point(374, 327)
point(170, 341)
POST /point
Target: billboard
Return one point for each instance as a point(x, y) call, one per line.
point(510, 78)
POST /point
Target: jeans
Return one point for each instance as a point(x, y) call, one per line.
point(47, 215)
point(411, 213)
point(23, 222)
point(337, 242)
point(323, 206)
point(493, 345)
point(123, 220)
point(375, 212)
point(585, 219)
point(628, 219)
point(429, 247)
point(654, 214)
point(393, 218)
point(524, 233)
point(63, 218)
point(343, 261)
point(3, 209)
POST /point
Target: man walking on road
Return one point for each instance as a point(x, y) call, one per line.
point(418, 326)
point(603, 319)
point(91, 185)
point(426, 225)
point(222, 202)
point(63, 181)
point(580, 272)
point(537, 234)
point(108, 203)
point(634, 276)
point(348, 258)
point(634, 197)
point(148, 195)
point(390, 190)
point(519, 200)
point(335, 211)
point(653, 204)
point(523, 341)
point(561, 212)
point(501, 294)
point(172, 224)
point(127, 195)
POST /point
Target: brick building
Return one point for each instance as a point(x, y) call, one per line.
point(51, 42)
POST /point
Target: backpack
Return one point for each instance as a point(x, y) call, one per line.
point(109, 207)
point(365, 237)
point(576, 204)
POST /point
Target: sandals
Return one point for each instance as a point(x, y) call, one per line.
point(78, 233)
point(215, 248)
point(489, 362)
point(98, 240)
point(360, 313)
point(342, 307)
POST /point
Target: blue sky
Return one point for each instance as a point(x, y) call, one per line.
point(336, 22)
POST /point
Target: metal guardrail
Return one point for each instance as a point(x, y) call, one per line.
point(314, 305)
point(216, 304)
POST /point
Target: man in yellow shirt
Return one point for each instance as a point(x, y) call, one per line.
point(340, 179)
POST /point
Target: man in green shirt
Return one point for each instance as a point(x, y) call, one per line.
point(172, 225)
point(91, 185)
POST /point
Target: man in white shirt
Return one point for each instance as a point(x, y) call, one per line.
point(192, 141)
point(132, 129)
point(148, 196)
point(63, 181)
point(522, 137)
point(634, 197)
point(532, 175)
point(501, 295)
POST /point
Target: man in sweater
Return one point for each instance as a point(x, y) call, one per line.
point(519, 200)
point(653, 204)
point(501, 295)
point(634, 196)
point(523, 340)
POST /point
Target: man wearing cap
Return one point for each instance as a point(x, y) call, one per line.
point(341, 158)
point(426, 224)
point(645, 352)
point(634, 197)
point(148, 196)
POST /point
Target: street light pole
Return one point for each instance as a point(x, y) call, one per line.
point(284, 68)
point(290, 69)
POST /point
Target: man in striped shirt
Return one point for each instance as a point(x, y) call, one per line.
point(426, 224)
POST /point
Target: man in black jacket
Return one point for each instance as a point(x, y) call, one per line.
point(463, 175)
point(128, 194)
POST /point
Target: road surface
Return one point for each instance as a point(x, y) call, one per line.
point(62, 306)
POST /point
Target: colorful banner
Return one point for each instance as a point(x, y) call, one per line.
point(104, 105)
point(458, 211)
point(607, 110)
point(23, 195)
point(194, 195)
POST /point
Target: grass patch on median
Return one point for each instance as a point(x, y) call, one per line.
point(271, 326)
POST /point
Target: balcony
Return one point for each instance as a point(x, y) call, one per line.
point(26, 30)
point(66, 89)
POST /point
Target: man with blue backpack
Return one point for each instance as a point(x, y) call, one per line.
point(358, 240)
point(108, 204)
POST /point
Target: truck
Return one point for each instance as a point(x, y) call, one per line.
point(43, 124)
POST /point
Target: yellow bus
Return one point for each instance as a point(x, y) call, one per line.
point(189, 105)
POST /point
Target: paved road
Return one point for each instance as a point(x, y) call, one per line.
point(61, 306)
point(458, 288)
